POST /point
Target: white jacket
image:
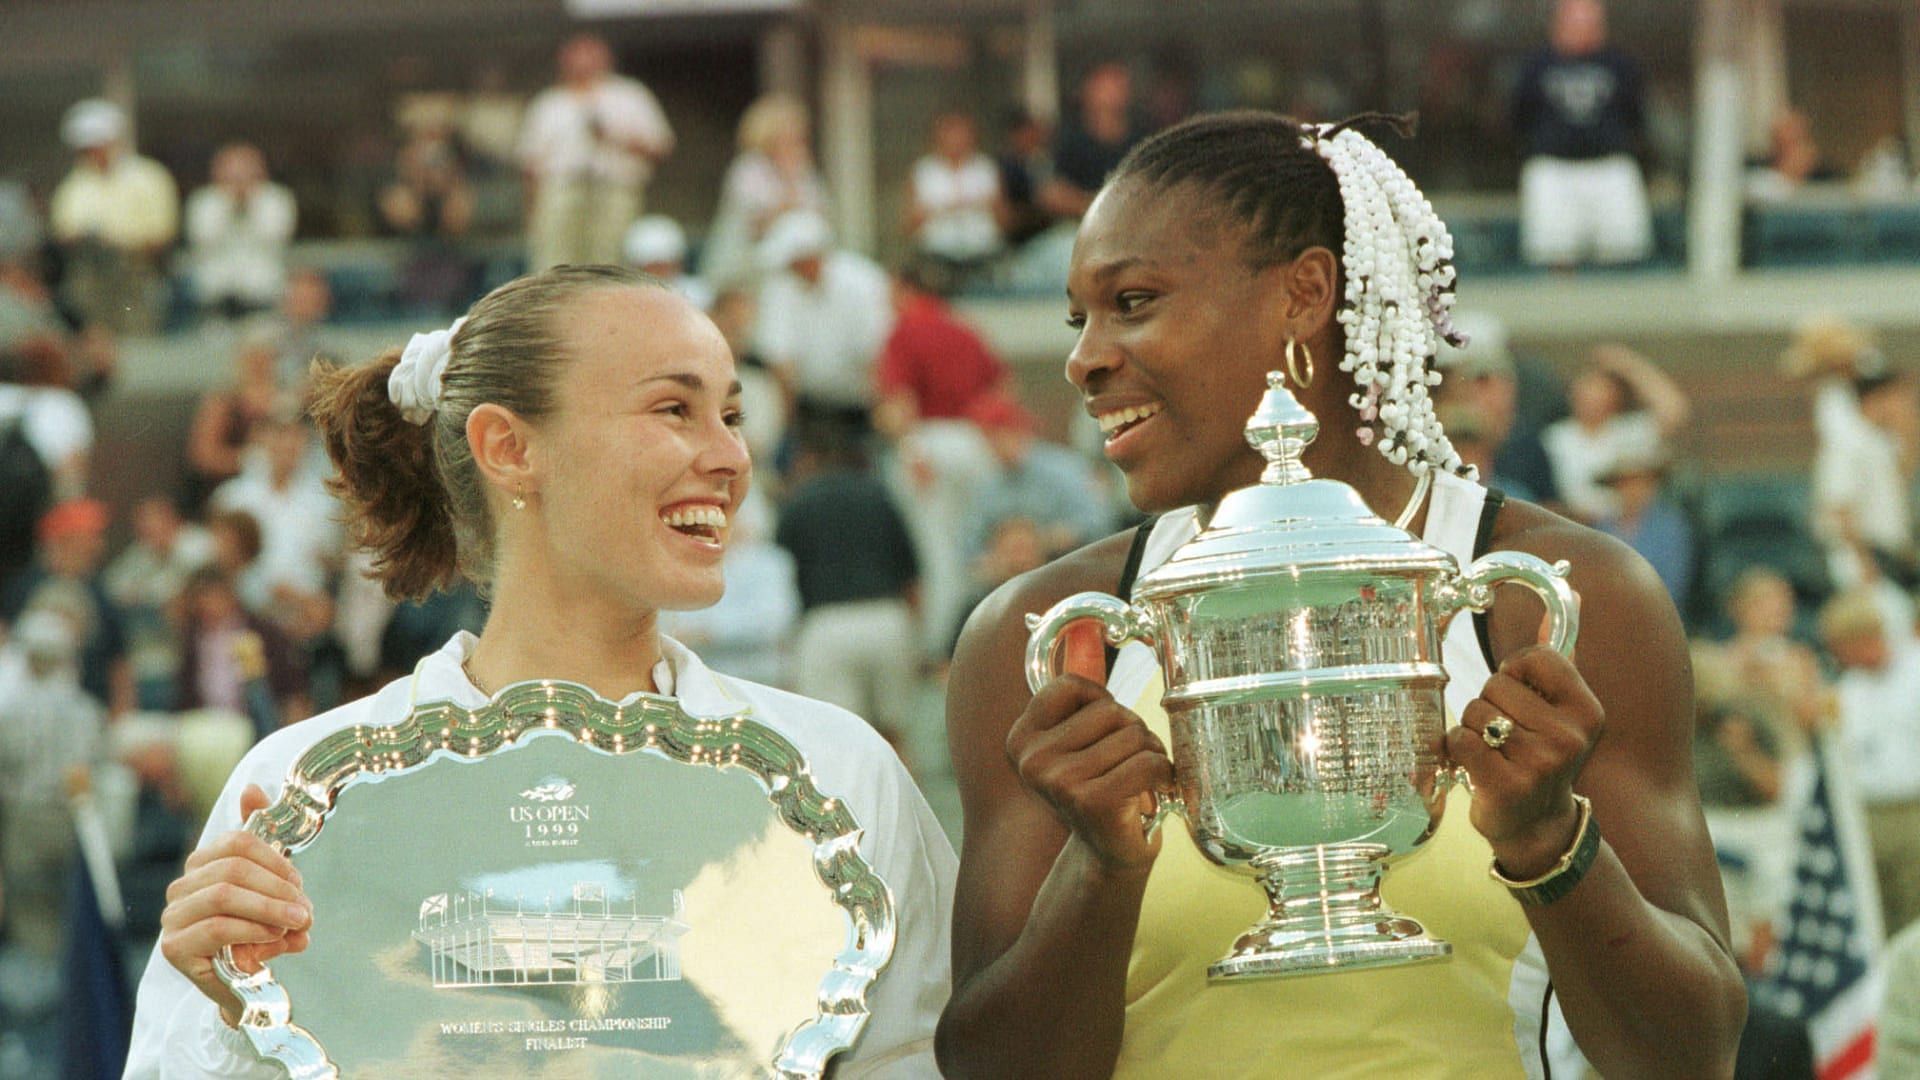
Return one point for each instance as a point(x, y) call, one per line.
point(177, 1031)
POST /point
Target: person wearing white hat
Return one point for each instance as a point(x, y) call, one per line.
point(657, 245)
point(824, 313)
point(113, 216)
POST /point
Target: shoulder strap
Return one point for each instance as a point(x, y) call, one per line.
point(1131, 570)
point(1482, 539)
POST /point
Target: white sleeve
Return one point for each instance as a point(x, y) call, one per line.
point(535, 138)
point(57, 425)
point(773, 331)
point(647, 119)
point(177, 1030)
point(275, 214)
point(206, 217)
point(910, 852)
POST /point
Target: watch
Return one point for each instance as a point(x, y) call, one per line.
point(1560, 878)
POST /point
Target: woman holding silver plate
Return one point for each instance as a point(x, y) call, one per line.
point(1573, 879)
point(574, 445)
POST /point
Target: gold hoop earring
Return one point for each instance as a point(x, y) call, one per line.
point(1293, 368)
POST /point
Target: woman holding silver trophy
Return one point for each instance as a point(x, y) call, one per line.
point(1313, 700)
point(573, 445)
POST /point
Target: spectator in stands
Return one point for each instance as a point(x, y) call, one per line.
point(658, 245)
point(304, 310)
point(1025, 167)
point(146, 581)
point(1579, 114)
point(300, 535)
point(590, 145)
point(430, 202)
point(857, 574)
point(824, 314)
point(954, 205)
point(1649, 522)
point(65, 579)
point(1482, 377)
point(748, 632)
point(933, 365)
point(761, 398)
point(226, 419)
point(932, 371)
point(1092, 140)
point(1621, 405)
point(1861, 463)
point(1046, 483)
point(1793, 160)
point(113, 216)
point(238, 229)
point(218, 635)
point(39, 409)
point(1879, 695)
point(772, 175)
point(236, 542)
point(1862, 472)
point(49, 726)
point(1766, 661)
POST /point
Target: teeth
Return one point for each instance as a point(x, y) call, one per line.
point(683, 516)
point(1119, 418)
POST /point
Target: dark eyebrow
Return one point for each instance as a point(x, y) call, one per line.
point(1108, 270)
point(691, 382)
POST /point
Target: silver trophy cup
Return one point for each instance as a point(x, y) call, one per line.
point(1299, 637)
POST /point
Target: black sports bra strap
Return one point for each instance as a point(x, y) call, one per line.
point(1483, 539)
point(1131, 570)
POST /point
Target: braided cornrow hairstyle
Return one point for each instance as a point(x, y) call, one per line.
point(1292, 187)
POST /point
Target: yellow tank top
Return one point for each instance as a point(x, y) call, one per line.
point(1476, 1013)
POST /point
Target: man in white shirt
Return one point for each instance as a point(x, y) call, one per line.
point(823, 316)
point(238, 228)
point(1860, 481)
point(113, 216)
point(1879, 697)
point(588, 148)
point(300, 536)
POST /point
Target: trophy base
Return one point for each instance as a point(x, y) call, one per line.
point(1326, 916)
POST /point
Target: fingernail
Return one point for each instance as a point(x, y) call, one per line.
point(297, 879)
point(296, 914)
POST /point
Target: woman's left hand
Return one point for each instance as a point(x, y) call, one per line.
point(1523, 789)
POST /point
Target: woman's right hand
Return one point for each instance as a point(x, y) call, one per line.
point(1092, 759)
point(236, 892)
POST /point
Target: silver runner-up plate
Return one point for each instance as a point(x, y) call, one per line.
point(557, 885)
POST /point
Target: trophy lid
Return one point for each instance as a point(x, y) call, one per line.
point(1290, 522)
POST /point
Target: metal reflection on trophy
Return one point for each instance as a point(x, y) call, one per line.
point(1299, 636)
point(558, 884)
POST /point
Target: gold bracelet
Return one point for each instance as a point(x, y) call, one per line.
point(1566, 872)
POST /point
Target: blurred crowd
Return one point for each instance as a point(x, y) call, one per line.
point(900, 474)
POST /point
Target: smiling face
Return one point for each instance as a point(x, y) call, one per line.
point(640, 466)
point(1176, 334)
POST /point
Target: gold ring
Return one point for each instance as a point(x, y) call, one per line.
point(1497, 732)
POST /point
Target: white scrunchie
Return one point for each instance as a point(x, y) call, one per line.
point(415, 383)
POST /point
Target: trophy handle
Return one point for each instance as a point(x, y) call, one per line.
point(1120, 621)
point(1473, 591)
point(1165, 805)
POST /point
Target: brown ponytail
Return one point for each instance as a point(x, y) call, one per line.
point(385, 474)
point(414, 496)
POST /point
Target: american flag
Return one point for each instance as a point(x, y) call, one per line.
point(1825, 971)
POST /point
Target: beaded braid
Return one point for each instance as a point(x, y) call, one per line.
point(1397, 260)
